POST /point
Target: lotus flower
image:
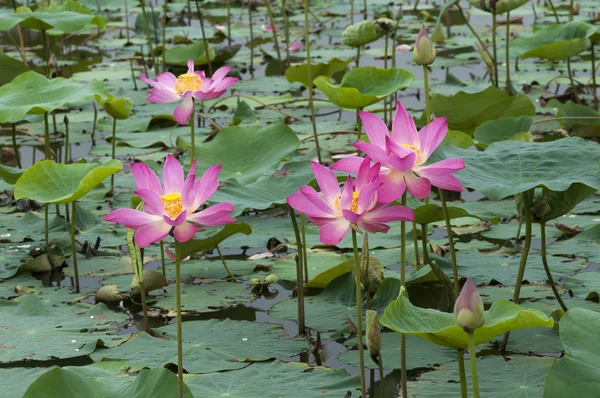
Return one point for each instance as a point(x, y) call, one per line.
point(468, 309)
point(403, 48)
point(269, 28)
point(220, 28)
point(168, 89)
point(335, 211)
point(296, 46)
point(171, 207)
point(402, 156)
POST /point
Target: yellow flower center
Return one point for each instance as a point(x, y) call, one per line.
point(353, 206)
point(414, 148)
point(188, 82)
point(173, 204)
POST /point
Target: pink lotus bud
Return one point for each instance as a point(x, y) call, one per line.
point(296, 46)
point(403, 48)
point(424, 52)
point(270, 28)
point(468, 309)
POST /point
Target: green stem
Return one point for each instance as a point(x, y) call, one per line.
point(15, 147)
point(351, 12)
point(251, 37)
point(46, 233)
point(45, 50)
point(473, 32)
point(416, 243)
point(273, 30)
point(357, 56)
point(148, 35)
point(573, 87)
point(192, 132)
point(311, 102)
point(495, 49)
point(73, 245)
point(381, 376)
point(299, 278)
point(286, 31)
point(365, 10)
point(359, 314)
point(179, 328)
point(594, 86)
point(304, 254)
point(201, 18)
point(228, 23)
point(462, 373)
point(403, 370)
point(426, 92)
point(385, 66)
point(46, 136)
point(225, 264)
point(571, 11)
point(114, 149)
point(162, 257)
point(554, 11)
point(424, 243)
point(527, 197)
point(507, 48)
point(164, 36)
point(144, 306)
point(547, 267)
point(66, 122)
point(472, 360)
point(451, 243)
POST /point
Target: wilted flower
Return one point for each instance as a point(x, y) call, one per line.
point(171, 207)
point(424, 51)
point(468, 309)
point(403, 154)
point(335, 211)
point(193, 84)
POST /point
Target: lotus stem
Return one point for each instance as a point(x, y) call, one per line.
point(461, 370)
point(553, 10)
point(351, 12)
point(472, 360)
point(416, 242)
point(192, 132)
point(571, 11)
point(164, 35)
point(162, 258)
point(148, 35)
point(424, 244)
point(127, 22)
point(573, 87)
point(594, 86)
point(113, 153)
point(385, 66)
point(225, 264)
point(450, 242)
point(381, 376)
point(494, 48)
point(66, 122)
point(311, 102)
point(15, 147)
point(426, 92)
point(286, 31)
point(144, 305)
point(527, 197)
point(473, 30)
point(93, 134)
point(403, 370)
point(228, 22)
point(201, 18)
point(299, 278)
point(359, 315)
point(274, 31)
point(304, 254)
point(251, 38)
point(509, 87)
point(132, 76)
point(547, 267)
point(21, 44)
point(46, 233)
point(179, 328)
point(47, 137)
point(357, 56)
point(73, 245)
point(45, 51)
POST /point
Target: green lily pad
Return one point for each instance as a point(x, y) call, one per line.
point(578, 127)
point(578, 370)
point(431, 213)
point(193, 246)
point(10, 174)
point(585, 245)
point(247, 153)
point(554, 42)
point(441, 328)
point(465, 112)
point(498, 7)
point(54, 23)
point(34, 330)
point(554, 165)
point(507, 128)
point(33, 93)
point(11, 68)
point(364, 86)
point(179, 55)
point(56, 183)
point(299, 73)
point(367, 31)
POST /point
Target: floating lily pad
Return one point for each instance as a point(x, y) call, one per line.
point(299, 73)
point(554, 42)
point(55, 23)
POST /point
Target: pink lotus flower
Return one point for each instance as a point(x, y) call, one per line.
point(168, 89)
point(403, 48)
point(335, 211)
point(296, 46)
point(172, 205)
point(269, 28)
point(219, 27)
point(403, 154)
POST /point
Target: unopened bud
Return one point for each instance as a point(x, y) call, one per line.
point(255, 281)
point(424, 52)
point(468, 309)
point(272, 278)
point(373, 335)
point(399, 13)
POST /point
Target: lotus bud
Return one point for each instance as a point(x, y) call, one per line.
point(438, 36)
point(351, 326)
point(272, 278)
point(468, 309)
point(424, 52)
point(255, 281)
point(119, 108)
point(399, 13)
point(373, 335)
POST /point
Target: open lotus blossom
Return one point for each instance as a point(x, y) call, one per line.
point(194, 84)
point(402, 156)
point(269, 28)
point(334, 211)
point(172, 206)
point(296, 46)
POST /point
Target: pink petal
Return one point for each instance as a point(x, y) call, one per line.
point(180, 219)
point(368, 196)
point(214, 215)
point(163, 96)
point(419, 187)
point(221, 73)
point(130, 218)
point(447, 181)
point(190, 65)
point(373, 227)
point(333, 232)
point(392, 187)
point(152, 202)
point(300, 202)
point(402, 164)
point(443, 167)
point(206, 186)
point(432, 135)
point(184, 111)
point(347, 194)
point(151, 233)
point(146, 178)
point(192, 171)
point(349, 164)
point(376, 153)
point(375, 128)
point(167, 78)
point(317, 200)
point(351, 216)
point(327, 182)
point(362, 177)
point(149, 81)
point(185, 232)
point(172, 175)
point(403, 128)
point(389, 214)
